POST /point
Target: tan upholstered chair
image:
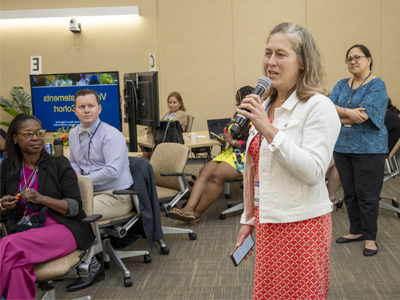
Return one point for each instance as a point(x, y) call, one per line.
point(168, 162)
point(190, 120)
point(391, 171)
point(61, 267)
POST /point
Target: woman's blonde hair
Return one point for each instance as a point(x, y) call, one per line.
point(179, 98)
point(313, 77)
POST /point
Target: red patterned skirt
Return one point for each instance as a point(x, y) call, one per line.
point(292, 259)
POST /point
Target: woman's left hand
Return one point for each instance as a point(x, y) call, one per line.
point(228, 137)
point(32, 195)
point(258, 116)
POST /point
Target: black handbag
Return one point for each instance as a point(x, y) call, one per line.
point(168, 132)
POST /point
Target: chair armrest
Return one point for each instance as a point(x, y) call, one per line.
point(174, 174)
point(125, 192)
point(92, 218)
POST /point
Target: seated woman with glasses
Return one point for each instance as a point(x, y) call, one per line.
point(40, 196)
point(359, 153)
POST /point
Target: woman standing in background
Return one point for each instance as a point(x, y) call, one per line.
point(359, 154)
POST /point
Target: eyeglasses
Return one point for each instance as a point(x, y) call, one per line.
point(355, 58)
point(29, 134)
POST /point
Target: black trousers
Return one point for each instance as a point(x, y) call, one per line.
point(362, 179)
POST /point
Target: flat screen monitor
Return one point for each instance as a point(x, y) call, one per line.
point(53, 97)
point(142, 87)
point(141, 103)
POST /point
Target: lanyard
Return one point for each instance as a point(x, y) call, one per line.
point(351, 94)
point(90, 140)
point(31, 180)
point(268, 105)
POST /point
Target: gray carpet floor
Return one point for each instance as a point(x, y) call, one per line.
point(202, 269)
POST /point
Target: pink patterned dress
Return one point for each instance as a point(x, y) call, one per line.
point(292, 259)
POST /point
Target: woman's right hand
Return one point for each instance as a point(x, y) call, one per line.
point(9, 202)
point(244, 232)
point(357, 115)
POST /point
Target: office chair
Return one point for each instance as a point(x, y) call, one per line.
point(168, 162)
point(59, 268)
point(118, 227)
point(392, 170)
point(233, 206)
point(190, 120)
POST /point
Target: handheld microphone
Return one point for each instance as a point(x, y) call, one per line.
point(263, 84)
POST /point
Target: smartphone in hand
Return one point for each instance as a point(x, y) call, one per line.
point(240, 252)
point(218, 137)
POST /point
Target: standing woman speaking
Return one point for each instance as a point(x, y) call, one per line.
point(288, 152)
point(361, 102)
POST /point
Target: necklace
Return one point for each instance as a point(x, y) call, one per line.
point(281, 101)
point(351, 94)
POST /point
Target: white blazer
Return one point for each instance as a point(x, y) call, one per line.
point(292, 168)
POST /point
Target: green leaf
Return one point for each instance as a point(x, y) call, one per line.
point(4, 102)
point(7, 124)
point(22, 99)
point(10, 111)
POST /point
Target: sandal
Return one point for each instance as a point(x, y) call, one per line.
point(177, 214)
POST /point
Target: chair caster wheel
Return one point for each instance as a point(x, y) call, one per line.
point(339, 204)
point(229, 205)
point(192, 236)
point(395, 203)
point(194, 177)
point(127, 281)
point(191, 183)
point(106, 265)
point(147, 259)
point(165, 250)
point(398, 215)
point(222, 216)
point(228, 196)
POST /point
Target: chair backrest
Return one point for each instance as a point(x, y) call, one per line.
point(169, 158)
point(190, 120)
point(86, 190)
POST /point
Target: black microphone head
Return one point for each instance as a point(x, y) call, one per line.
point(264, 82)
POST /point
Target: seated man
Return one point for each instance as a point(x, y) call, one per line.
point(98, 151)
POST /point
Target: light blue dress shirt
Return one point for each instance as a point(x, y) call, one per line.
point(105, 159)
point(369, 137)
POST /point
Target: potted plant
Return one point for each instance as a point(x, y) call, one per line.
point(21, 103)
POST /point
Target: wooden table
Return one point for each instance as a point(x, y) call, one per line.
point(202, 140)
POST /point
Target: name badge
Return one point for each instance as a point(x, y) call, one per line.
point(257, 192)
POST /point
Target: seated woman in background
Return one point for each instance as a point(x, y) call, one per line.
point(176, 110)
point(44, 189)
point(226, 167)
point(392, 123)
